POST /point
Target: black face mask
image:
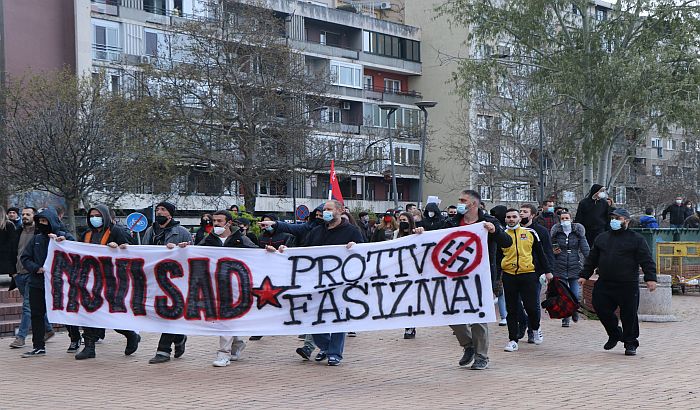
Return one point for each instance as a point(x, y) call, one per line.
point(524, 221)
point(45, 229)
point(205, 222)
point(404, 226)
point(160, 219)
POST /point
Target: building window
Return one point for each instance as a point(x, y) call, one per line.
point(516, 191)
point(656, 142)
point(390, 46)
point(620, 195)
point(487, 122)
point(369, 82)
point(346, 74)
point(272, 187)
point(392, 86)
point(670, 144)
point(150, 43)
point(485, 192)
point(483, 157)
point(657, 170)
point(114, 84)
point(106, 44)
point(331, 115)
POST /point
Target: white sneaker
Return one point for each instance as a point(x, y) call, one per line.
point(512, 346)
point(503, 322)
point(222, 360)
point(237, 350)
point(539, 338)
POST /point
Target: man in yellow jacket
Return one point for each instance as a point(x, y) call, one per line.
point(519, 277)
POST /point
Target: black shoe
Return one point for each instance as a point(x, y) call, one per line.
point(574, 317)
point(159, 358)
point(35, 353)
point(255, 338)
point(74, 346)
point(531, 337)
point(320, 356)
point(480, 364)
point(88, 352)
point(521, 333)
point(180, 348)
point(333, 361)
point(352, 334)
point(610, 344)
point(305, 352)
point(132, 344)
point(409, 333)
point(630, 350)
point(467, 357)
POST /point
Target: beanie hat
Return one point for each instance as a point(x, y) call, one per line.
point(167, 205)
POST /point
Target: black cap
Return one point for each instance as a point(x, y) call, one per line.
point(621, 212)
point(167, 205)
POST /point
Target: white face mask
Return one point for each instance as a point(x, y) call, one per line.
point(566, 225)
point(512, 228)
point(679, 202)
point(218, 230)
point(602, 195)
point(431, 214)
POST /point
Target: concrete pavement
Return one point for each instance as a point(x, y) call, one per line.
point(381, 370)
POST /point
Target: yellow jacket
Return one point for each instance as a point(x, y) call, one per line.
point(520, 256)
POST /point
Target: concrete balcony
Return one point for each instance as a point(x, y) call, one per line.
point(342, 91)
point(323, 50)
point(339, 128)
point(391, 64)
point(390, 95)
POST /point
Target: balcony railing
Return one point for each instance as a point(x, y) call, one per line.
point(111, 7)
point(389, 90)
point(106, 53)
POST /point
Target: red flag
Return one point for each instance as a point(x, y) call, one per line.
point(335, 188)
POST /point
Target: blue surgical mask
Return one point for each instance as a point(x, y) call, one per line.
point(615, 225)
point(550, 209)
point(462, 209)
point(327, 216)
point(269, 228)
point(566, 224)
point(96, 221)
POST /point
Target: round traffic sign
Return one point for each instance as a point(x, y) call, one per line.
point(302, 212)
point(136, 222)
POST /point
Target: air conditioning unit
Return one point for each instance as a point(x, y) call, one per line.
point(346, 105)
point(145, 59)
point(385, 5)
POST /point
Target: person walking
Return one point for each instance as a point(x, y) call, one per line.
point(9, 236)
point(499, 212)
point(168, 232)
point(593, 212)
point(407, 226)
point(47, 226)
point(520, 279)
point(474, 337)
point(547, 218)
point(569, 244)
point(617, 255)
point(103, 231)
point(677, 213)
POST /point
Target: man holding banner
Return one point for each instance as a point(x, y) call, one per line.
point(335, 231)
point(474, 338)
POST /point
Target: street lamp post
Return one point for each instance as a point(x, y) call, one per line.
point(390, 109)
point(541, 170)
point(423, 105)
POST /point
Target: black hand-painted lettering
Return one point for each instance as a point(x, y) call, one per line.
point(378, 268)
point(380, 300)
point(165, 270)
point(115, 286)
point(68, 265)
point(292, 307)
point(200, 294)
point(91, 299)
point(328, 272)
point(139, 285)
point(432, 300)
point(360, 270)
point(328, 294)
point(460, 286)
point(295, 266)
point(406, 285)
point(364, 288)
point(426, 252)
point(230, 308)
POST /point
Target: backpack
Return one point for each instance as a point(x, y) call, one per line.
point(560, 301)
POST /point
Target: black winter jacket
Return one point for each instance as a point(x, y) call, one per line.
point(593, 214)
point(340, 235)
point(8, 248)
point(235, 240)
point(546, 242)
point(568, 263)
point(679, 213)
point(496, 240)
point(276, 239)
point(37, 250)
point(618, 256)
point(434, 223)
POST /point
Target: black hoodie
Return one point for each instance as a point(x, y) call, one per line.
point(37, 250)
point(434, 223)
point(117, 233)
point(593, 214)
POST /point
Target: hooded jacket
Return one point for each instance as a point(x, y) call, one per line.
point(275, 238)
point(618, 256)
point(171, 233)
point(678, 213)
point(648, 221)
point(568, 263)
point(301, 230)
point(36, 251)
point(8, 248)
point(593, 214)
point(117, 233)
point(437, 221)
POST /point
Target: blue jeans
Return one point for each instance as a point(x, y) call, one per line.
point(574, 286)
point(502, 306)
point(22, 281)
point(331, 343)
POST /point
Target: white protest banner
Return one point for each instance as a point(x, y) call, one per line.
point(430, 279)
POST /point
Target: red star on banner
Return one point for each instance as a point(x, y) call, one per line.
point(267, 293)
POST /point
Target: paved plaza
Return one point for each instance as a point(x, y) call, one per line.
point(381, 370)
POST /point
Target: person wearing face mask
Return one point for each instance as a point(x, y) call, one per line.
point(103, 231)
point(334, 231)
point(547, 218)
point(451, 211)
point(407, 226)
point(272, 237)
point(300, 231)
point(474, 337)
point(618, 254)
point(47, 226)
point(520, 278)
point(225, 233)
point(205, 227)
point(569, 244)
point(593, 212)
point(677, 212)
point(244, 226)
point(167, 232)
point(432, 217)
point(364, 226)
point(386, 228)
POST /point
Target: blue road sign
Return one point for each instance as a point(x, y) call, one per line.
point(136, 222)
point(302, 212)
